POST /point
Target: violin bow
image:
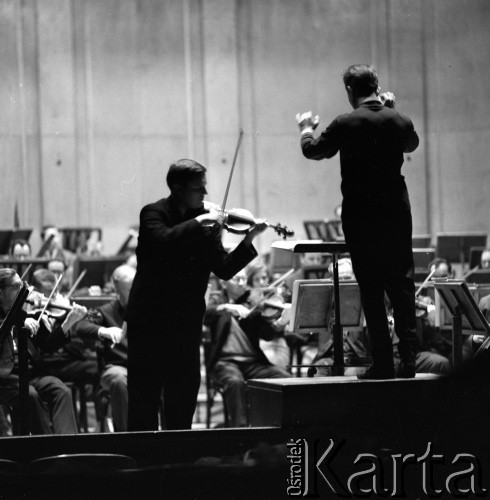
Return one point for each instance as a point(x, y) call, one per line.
point(24, 274)
point(421, 287)
point(271, 287)
point(223, 205)
point(77, 282)
point(470, 272)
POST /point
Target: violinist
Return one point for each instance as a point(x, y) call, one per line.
point(43, 387)
point(65, 355)
point(276, 349)
point(106, 326)
point(235, 355)
point(179, 244)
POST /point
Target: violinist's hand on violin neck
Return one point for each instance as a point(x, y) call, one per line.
point(259, 227)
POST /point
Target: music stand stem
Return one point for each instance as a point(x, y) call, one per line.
point(338, 334)
point(23, 355)
point(457, 334)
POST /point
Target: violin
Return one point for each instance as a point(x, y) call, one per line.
point(240, 220)
point(38, 302)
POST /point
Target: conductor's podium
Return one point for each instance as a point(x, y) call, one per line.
point(342, 400)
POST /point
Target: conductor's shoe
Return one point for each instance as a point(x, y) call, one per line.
point(405, 370)
point(373, 373)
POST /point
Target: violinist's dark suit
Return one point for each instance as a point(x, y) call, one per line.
point(165, 311)
point(376, 217)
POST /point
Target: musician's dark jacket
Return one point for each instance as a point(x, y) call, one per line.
point(42, 340)
point(108, 315)
point(175, 257)
point(255, 326)
point(371, 140)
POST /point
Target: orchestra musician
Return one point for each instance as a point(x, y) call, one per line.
point(235, 354)
point(68, 358)
point(20, 250)
point(276, 348)
point(106, 326)
point(485, 259)
point(44, 387)
point(376, 214)
point(179, 244)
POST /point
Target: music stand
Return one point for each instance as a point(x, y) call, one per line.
point(335, 248)
point(455, 247)
point(315, 229)
point(5, 238)
point(20, 266)
point(421, 240)
point(99, 269)
point(479, 276)
point(465, 315)
point(422, 257)
point(21, 234)
point(475, 256)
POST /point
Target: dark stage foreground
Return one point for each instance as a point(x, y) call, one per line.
point(324, 438)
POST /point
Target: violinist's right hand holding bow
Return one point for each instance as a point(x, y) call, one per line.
point(112, 334)
point(237, 310)
point(32, 326)
point(77, 313)
point(210, 217)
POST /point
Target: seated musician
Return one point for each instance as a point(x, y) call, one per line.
point(68, 359)
point(58, 256)
point(306, 260)
point(441, 267)
point(485, 259)
point(235, 355)
point(107, 327)
point(20, 250)
point(60, 417)
point(276, 349)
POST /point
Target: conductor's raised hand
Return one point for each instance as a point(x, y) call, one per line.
point(388, 99)
point(307, 122)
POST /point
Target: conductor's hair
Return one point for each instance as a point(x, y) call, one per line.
point(362, 79)
point(183, 171)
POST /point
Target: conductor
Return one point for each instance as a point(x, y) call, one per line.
point(179, 244)
point(376, 214)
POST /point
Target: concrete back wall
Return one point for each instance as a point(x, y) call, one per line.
point(99, 97)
